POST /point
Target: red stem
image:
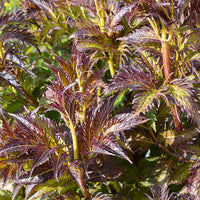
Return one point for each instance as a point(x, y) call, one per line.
point(169, 76)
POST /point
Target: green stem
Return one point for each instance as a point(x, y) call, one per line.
point(100, 14)
point(75, 144)
point(74, 137)
point(102, 24)
point(97, 6)
point(111, 64)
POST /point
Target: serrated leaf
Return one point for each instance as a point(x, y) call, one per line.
point(118, 17)
point(14, 33)
point(10, 56)
point(142, 35)
point(184, 94)
point(145, 100)
point(122, 122)
point(40, 157)
point(11, 80)
point(8, 18)
point(132, 77)
point(108, 146)
point(76, 172)
point(91, 45)
point(45, 30)
point(6, 126)
point(7, 173)
point(65, 66)
point(16, 148)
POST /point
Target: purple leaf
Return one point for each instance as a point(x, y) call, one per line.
point(122, 122)
point(11, 80)
point(7, 173)
point(11, 148)
point(41, 156)
point(6, 126)
point(108, 146)
point(118, 17)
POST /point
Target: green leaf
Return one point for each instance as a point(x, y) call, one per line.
point(119, 102)
point(180, 174)
point(45, 30)
point(5, 195)
point(153, 118)
point(90, 45)
point(63, 186)
point(145, 101)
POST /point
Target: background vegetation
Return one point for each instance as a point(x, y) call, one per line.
point(100, 99)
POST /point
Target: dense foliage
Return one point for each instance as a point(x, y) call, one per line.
point(100, 99)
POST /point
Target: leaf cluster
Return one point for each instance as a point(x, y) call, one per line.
point(100, 99)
